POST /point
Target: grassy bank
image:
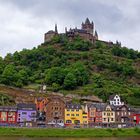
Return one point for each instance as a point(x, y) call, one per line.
point(36, 132)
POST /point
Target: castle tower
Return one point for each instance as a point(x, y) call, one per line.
point(88, 26)
point(96, 35)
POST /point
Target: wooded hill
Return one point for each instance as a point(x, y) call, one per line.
point(76, 67)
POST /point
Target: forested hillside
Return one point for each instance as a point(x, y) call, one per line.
point(77, 67)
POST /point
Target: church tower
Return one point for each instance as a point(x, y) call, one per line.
point(88, 26)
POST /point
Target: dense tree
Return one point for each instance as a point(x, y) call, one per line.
point(55, 75)
point(70, 81)
point(9, 75)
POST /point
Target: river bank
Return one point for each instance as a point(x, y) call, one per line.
point(39, 132)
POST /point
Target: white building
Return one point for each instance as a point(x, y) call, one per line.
point(115, 100)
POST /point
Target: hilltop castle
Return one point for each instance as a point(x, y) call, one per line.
point(87, 32)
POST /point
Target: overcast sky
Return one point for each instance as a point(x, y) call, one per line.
point(24, 22)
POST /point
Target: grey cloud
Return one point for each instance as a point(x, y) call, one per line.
point(30, 19)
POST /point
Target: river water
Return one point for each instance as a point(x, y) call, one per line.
point(24, 138)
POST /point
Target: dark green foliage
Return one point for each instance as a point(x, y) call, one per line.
point(70, 81)
point(125, 52)
point(69, 78)
point(55, 75)
point(78, 66)
point(77, 44)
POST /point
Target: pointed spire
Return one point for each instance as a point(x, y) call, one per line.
point(96, 34)
point(65, 29)
point(87, 21)
point(56, 31)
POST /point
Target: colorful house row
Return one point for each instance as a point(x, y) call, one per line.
point(106, 115)
point(114, 114)
point(21, 115)
point(54, 111)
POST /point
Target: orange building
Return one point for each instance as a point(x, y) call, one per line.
point(41, 104)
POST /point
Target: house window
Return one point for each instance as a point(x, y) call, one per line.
point(68, 121)
point(118, 113)
point(104, 119)
point(77, 114)
point(112, 119)
point(72, 114)
point(68, 114)
point(33, 113)
point(68, 110)
point(84, 116)
point(24, 113)
point(72, 110)
point(92, 113)
point(77, 110)
point(108, 114)
point(104, 113)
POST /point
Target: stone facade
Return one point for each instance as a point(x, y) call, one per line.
point(50, 34)
point(87, 32)
point(124, 115)
point(55, 111)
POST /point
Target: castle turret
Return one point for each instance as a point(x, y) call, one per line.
point(88, 26)
point(56, 31)
point(96, 35)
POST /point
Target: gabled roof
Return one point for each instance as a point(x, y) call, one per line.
point(73, 106)
point(29, 107)
point(98, 106)
point(8, 108)
point(51, 32)
point(111, 97)
point(120, 107)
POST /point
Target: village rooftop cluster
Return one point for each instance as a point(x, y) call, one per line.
point(54, 111)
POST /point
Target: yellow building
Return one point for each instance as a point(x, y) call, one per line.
point(108, 115)
point(75, 115)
